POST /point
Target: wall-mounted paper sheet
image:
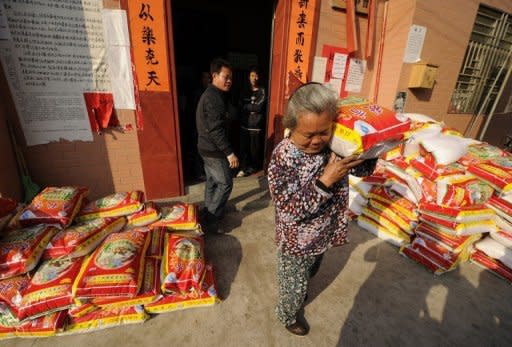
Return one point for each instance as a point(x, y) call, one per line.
point(338, 65)
point(415, 44)
point(355, 76)
point(319, 67)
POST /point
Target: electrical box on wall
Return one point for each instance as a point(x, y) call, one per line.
point(423, 76)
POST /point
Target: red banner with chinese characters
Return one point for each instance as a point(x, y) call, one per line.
point(149, 42)
point(300, 38)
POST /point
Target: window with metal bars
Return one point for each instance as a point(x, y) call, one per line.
point(488, 50)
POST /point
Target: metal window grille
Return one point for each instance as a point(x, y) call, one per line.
point(486, 53)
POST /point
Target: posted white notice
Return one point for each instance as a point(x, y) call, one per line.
point(355, 76)
point(319, 68)
point(57, 53)
point(415, 44)
point(338, 65)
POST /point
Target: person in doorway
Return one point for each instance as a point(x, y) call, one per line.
point(252, 108)
point(309, 188)
point(213, 144)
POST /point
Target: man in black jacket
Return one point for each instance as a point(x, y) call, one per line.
point(213, 144)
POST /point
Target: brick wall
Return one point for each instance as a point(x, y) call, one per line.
point(110, 163)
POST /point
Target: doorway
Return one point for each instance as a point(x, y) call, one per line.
point(238, 31)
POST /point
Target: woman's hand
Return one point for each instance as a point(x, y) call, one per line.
point(336, 168)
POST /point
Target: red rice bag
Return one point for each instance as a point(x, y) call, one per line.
point(462, 190)
point(436, 252)
point(50, 288)
point(396, 238)
point(396, 201)
point(183, 264)
point(20, 250)
point(434, 172)
point(179, 216)
point(7, 209)
point(420, 256)
point(493, 265)
point(393, 214)
point(149, 290)
point(83, 238)
point(502, 207)
point(497, 173)
point(207, 296)
point(452, 243)
point(44, 326)
point(458, 214)
point(376, 216)
point(503, 237)
point(481, 152)
point(363, 125)
point(106, 318)
point(81, 310)
point(115, 205)
point(459, 229)
point(156, 245)
point(148, 215)
point(116, 268)
point(10, 299)
point(54, 205)
point(7, 332)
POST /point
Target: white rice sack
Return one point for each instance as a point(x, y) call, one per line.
point(412, 145)
point(446, 149)
point(502, 237)
point(404, 190)
point(420, 118)
point(357, 184)
point(495, 250)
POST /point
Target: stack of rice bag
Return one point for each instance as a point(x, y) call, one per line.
point(435, 196)
point(495, 251)
point(68, 266)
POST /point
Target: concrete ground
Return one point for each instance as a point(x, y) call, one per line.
point(365, 294)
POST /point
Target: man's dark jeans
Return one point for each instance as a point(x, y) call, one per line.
point(218, 186)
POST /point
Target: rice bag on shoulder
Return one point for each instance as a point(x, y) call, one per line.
point(362, 127)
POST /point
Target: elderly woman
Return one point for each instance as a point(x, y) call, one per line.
point(309, 188)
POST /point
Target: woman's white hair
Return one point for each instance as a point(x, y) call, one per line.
point(310, 98)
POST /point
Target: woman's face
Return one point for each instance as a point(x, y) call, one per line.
point(313, 132)
point(253, 78)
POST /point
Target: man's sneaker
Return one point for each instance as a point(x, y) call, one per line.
point(241, 173)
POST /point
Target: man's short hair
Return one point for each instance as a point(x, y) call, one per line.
point(217, 65)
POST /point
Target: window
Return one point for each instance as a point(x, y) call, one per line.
point(487, 52)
